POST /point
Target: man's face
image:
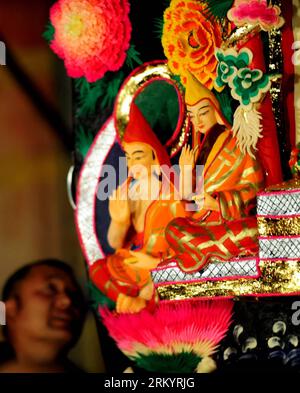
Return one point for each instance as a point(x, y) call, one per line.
point(50, 306)
point(140, 159)
point(203, 116)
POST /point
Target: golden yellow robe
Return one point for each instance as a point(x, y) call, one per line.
point(114, 275)
point(233, 179)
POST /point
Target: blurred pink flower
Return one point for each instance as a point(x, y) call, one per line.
point(193, 325)
point(91, 36)
point(256, 12)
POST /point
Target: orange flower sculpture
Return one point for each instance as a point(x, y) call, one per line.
point(189, 40)
point(91, 36)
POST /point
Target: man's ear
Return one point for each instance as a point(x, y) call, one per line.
point(11, 308)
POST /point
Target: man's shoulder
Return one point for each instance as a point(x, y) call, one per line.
point(6, 352)
point(71, 367)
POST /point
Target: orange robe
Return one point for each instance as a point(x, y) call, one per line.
point(234, 180)
point(113, 275)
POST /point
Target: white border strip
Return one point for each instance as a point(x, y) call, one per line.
point(285, 247)
point(278, 204)
point(213, 270)
point(87, 192)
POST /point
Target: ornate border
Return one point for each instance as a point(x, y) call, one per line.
point(134, 84)
point(87, 192)
point(277, 278)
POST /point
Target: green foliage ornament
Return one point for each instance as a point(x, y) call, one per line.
point(248, 86)
point(229, 63)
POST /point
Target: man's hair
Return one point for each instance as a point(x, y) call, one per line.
point(18, 276)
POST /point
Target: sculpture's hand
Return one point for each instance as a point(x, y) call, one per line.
point(119, 208)
point(148, 291)
point(210, 203)
point(128, 304)
point(187, 163)
point(142, 260)
point(188, 157)
point(206, 202)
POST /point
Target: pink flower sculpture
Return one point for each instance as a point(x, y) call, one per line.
point(193, 326)
point(256, 12)
point(91, 36)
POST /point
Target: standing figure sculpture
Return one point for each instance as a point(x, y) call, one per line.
point(140, 210)
point(223, 226)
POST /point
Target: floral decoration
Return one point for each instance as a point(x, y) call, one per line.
point(171, 337)
point(256, 12)
point(229, 63)
point(189, 40)
point(294, 161)
point(248, 86)
point(91, 36)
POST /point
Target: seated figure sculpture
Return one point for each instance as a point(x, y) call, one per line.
point(140, 210)
point(223, 227)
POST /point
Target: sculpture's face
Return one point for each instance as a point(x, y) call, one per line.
point(203, 115)
point(140, 159)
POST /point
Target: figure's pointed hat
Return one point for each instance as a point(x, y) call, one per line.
point(195, 92)
point(139, 130)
